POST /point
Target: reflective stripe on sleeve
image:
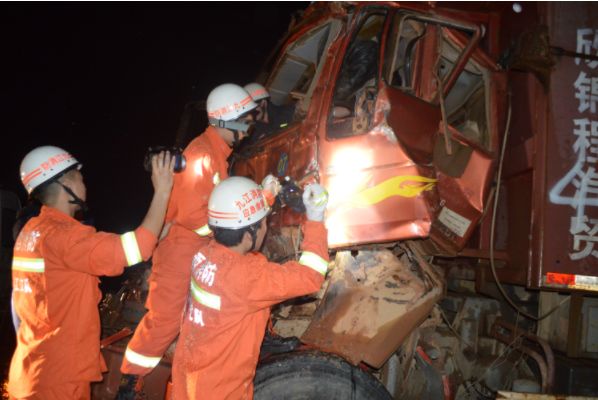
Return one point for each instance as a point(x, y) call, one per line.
point(142, 361)
point(203, 231)
point(314, 261)
point(131, 248)
point(202, 297)
point(27, 264)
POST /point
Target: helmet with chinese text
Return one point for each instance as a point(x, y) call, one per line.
point(257, 91)
point(228, 102)
point(235, 203)
point(44, 164)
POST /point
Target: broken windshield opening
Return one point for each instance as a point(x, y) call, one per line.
point(415, 45)
point(292, 81)
point(355, 88)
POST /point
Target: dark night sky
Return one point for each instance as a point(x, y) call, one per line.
point(107, 81)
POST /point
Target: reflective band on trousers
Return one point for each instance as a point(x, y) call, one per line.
point(203, 231)
point(131, 248)
point(314, 261)
point(142, 361)
point(27, 264)
point(205, 298)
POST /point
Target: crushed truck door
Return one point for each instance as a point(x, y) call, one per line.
point(442, 92)
point(394, 169)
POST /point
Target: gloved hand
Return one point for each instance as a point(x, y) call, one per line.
point(315, 198)
point(130, 388)
point(270, 187)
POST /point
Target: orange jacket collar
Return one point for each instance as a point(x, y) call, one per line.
point(55, 213)
point(217, 141)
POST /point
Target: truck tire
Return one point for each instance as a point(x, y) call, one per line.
point(314, 376)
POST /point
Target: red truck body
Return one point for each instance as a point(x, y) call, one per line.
point(409, 113)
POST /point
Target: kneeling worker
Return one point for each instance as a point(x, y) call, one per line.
point(232, 288)
point(55, 269)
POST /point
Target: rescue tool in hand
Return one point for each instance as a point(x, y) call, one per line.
point(291, 195)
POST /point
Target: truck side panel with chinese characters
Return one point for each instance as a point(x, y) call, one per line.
point(568, 240)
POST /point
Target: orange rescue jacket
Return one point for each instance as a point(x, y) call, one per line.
point(206, 166)
point(228, 309)
point(169, 283)
point(168, 287)
point(55, 269)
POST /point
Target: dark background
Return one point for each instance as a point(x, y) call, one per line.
point(106, 81)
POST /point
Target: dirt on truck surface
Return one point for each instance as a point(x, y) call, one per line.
point(457, 142)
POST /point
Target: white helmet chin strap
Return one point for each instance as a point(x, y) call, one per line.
point(74, 198)
point(233, 125)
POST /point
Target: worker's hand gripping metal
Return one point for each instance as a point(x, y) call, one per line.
point(315, 198)
point(270, 188)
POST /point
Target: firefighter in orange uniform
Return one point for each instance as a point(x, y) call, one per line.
point(232, 288)
point(55, 269)
point(228, 107)
point(270, 118)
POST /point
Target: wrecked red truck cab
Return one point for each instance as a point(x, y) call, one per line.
point(457, 143)
point(397, 112)
point(400, 111)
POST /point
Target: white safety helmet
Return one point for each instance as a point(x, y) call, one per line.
point(228, 102)
point(44, 163)
point(257, 91)
point(235, 203)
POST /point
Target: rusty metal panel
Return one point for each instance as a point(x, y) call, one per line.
point(566, 182)
point(417, 134)
point(463, 200)
point(373, 302)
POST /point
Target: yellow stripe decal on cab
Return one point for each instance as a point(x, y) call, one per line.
point(404, 186)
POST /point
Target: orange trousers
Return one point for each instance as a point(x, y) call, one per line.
point(67, 391)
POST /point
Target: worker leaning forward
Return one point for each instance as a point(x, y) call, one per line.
point(229, 108)
point(232, 288)
point(270, 118)
point(55, 269)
